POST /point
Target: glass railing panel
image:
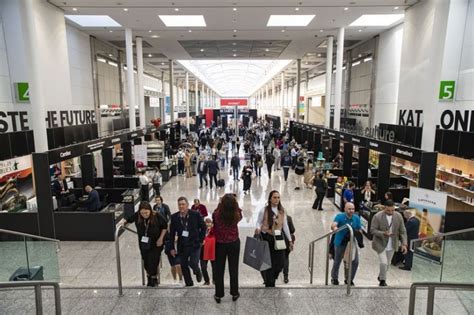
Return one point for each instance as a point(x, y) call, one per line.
point(43, 259)
point(427, 260)
point(12, 257)
point(458, 258)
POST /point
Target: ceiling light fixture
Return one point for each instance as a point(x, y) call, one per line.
point(74, 9)
point(162, 63)
point(150, 55)
point(149, 31)
point(110, 55)
point(396, 8)
point(266, 49)
point(360, 31)
point(297, 9)
point(283, 31)
point(183, 20)
point(346, 8)
point(377, 19)
point(290, 20)
point(93, 20)
point(235, 31)
point(190, 31)
point(202, 50)
point(125, 9)
point(321, 31)
point(235, 55)
point(319, 55)
point(234, 9)
point(176, 9)
point(110, 31)
point(233, 44)
point(367, 59)
point(155, 36)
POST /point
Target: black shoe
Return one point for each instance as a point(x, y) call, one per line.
point(199, 277)
point(190, 285)
point(218, 299)
point(352, 282)
point(235, 297)
point(285, 279)
point(334, 282)
point(149, 282)
point(320, 209)
point(405, 268)
point(200, 187)
point(382, 283)
point(154, 282)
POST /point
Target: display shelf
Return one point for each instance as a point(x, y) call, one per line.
point(468, 203)
point(466, 176)
point(410, 179)
point(450, 184)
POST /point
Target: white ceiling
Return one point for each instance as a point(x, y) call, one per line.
point(249, 20)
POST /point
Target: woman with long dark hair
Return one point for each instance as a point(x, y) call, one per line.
point(272, 224)
point(226, 217)
point(151, 230)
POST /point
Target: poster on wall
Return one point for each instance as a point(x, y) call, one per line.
point(141, 157)
point(431, 211)
point(16, 184)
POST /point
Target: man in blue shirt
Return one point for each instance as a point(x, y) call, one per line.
point(92, 203)
point(341, 242)
point(348, 195)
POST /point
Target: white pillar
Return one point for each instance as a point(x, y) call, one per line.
point(196, 96)
point(298, 86)
point(273, 94)
point(141, 91)
point(187, 100)
point(35, 78)
point(266, 97)
point(327, 101)
point(338, 88)
point(171, 91)
point(282, 98)
point(208, 99)
point(130, 79)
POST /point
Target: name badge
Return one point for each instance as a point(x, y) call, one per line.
point(277, 232)
point(145, 239)
point(185, 234)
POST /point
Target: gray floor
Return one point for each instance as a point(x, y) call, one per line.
point(253, 301)
point(85, 264)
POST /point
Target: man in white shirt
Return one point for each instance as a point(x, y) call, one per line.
point(277, 156)
point(388, 229)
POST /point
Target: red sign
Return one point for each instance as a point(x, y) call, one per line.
point(233, 102)
point(301, 98)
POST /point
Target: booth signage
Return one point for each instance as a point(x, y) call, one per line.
point(380, 146)
point(446, 90)
point(95, 145)
point(65, 153)
point(14, 166)
point(406, 153)
point(234, 102)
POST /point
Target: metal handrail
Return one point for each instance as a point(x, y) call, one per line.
point(38, 296)
point(328, 238)
point(117, 257)
point(28, 235)
point(432, 286)
point(440, 235)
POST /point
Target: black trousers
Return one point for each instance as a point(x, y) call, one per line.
point(189, 257)
point(202, 177)
point(286, 263)
point(269, 170)
point(151, 260)
point(157, 187)
point(286, 170)
point(318, 203)
point(409, 258)
point(235, 171)
point(205, 274)
point(278, 260)
point(213, 177)
point(180, 166)
point(230, 252)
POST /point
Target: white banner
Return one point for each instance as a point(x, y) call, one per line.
point(15, 165)
point(430, 208)
point(141, 155)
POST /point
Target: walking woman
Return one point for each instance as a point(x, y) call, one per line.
point(272, 224)
point(308, 174)
point(187, 164)
point(226, 217)
point(247, 177)
point(321, 188)
point(151, 230)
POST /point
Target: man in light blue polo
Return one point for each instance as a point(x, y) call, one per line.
point(341, 241)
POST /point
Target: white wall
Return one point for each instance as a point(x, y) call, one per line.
point(6, 97)
point(387, 76)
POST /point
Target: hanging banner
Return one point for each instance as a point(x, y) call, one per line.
point(141, 155)
point(430, 208)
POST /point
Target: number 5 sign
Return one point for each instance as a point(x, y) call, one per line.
point(446, 90)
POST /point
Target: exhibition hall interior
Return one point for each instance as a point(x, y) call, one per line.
point(237, 157)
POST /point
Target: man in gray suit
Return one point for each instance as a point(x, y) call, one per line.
point(387, 229)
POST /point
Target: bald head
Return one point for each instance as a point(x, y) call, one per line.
point(349, 209)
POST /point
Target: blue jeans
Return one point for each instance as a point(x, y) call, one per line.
point(339, 254)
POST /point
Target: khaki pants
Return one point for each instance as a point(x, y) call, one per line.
point(385, 258)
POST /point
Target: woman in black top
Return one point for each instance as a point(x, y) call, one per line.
point(151, 230)
point(321, 188)
point(247, 177)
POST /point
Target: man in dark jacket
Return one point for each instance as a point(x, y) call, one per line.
point(269, 160)
point(92, 203)
point(162, 208)
point(412, 225)
point(321, 188)
point(286, 164)
point(202, 170)
point(213, 169)
point(190, 229)
point(235, 163)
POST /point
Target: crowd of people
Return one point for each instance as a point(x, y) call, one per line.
point(194, 235)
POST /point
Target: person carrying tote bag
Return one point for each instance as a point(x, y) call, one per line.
point(272, 223)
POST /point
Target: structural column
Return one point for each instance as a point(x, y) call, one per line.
point(130, 78)
point(141, 92)
point(338, 87)
point(327, 101)
point(187, 100)
point(171, 90)
point(196, 96)
point(298, 86)
point(273, 94)
point(282, 99)
point(162, 107)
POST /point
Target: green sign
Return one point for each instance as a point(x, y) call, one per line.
point(446, 90)
point(22, 90)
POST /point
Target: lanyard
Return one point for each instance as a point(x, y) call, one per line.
point(184, 222)
point(147, 223)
